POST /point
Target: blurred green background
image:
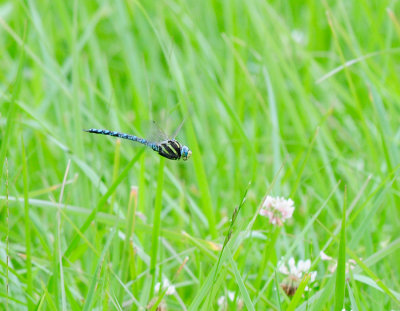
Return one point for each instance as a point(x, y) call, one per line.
point(298, 98)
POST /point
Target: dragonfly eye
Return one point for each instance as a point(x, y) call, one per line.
point(185, 153)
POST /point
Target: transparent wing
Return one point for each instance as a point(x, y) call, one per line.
point(177, 130)
point(155, 133)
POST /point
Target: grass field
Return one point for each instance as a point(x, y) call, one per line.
point(291, 99)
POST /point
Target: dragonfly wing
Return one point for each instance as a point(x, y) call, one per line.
point(178, 130)
point(156, 134)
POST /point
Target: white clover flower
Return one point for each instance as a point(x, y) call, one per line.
point(324, 256)
point(350, 264)
point(299, 36)
point(170, 289)
point(332, 267)
point(277, 209)
point(223, 301)
point(313, 276)
point(231, 295)
point(303, 266)
point(294, 274)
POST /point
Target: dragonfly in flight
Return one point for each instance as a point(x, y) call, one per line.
point(166, 147)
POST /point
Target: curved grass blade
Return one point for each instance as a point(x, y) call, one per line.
point(240, 283)
point(27, 228)
point(299, 292)
point(101, 202)
point(93, 285)
point(156, 222)
point(229, 234)
point(341, 263)
point(353, 301)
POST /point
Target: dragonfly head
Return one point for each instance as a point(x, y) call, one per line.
point(185, 153)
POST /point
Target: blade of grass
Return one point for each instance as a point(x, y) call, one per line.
point(100, 204)
point(277, 289)
point(300, 237)
point(340, 285)
point(303, 164)
point(164, 291)
point(299, 292)
point(332, 21)
point(374, 278)
point(12, 109)
point(58, 239)
point(115, 171)
point(229, 234)
point(101, 217)
point(354, 291)
point(268, 249)
point(198, 164)
point(240, 283)
point(21, 42)
point(22, 304)
point(7, 235)
point(275, 133)
point(128, 235)
point(72, 300)
point(383, 253)
point(205, 288)
point(28, 232)
point(126, 289)
point(90, 296)
point(210, 298)
point(377, 284)
point(156, 223)
point(353, 302)
point(323, 297)
point(351, 62)
point(78, 235)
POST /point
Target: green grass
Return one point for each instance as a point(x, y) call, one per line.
point(300, 99)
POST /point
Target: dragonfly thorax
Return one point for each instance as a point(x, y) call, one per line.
point(173, 150)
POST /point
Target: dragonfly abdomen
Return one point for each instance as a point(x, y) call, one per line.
point(120, 135)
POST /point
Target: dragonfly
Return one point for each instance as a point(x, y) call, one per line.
point(168, 148)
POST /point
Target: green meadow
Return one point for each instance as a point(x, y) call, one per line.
point(284, 104)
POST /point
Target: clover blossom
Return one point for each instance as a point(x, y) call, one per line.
point(295, 274)
point(170, 289)
point(223, 301)
point(277, 209)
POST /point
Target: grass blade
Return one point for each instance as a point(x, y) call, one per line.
point(353, 301)
point(240, 283)
point(100, 204)
point(90, 296)
point(340, 285)
point(156, 223)
point(299, 292)
point(58, 241)
point(27, 221)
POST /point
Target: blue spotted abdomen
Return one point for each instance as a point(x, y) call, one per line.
point(121, 135)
